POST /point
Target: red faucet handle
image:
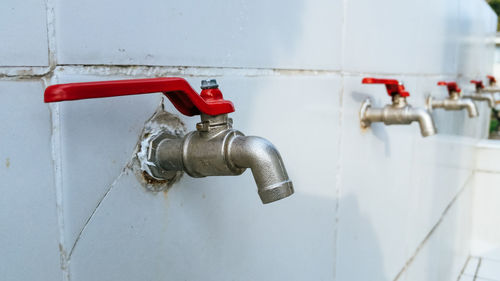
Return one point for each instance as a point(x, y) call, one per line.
point(392, 85)
point(452, 86)
point(176, 89)
point(491, 79)
point(479, 84)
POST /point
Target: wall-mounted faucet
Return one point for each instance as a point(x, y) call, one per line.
point(453, 102)
point(399, 112)
point(481, 94)
point(213, 149)
point(492, 88)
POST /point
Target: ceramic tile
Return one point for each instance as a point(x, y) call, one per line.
point(489, 269)
point(98, 138)
point(438, 37)
point(370, 232)
point(296, 34)
point(28, 220)
point(466, 278)
point(23, 29)
point(410, 38)
point(442, 256)
point(488, 152)
point(471, 267)
point(441, 164)
point(487, 250)
point(218, 224)
point(396, 40)
point(439, 173)
point(475, 49)
point(486, 207)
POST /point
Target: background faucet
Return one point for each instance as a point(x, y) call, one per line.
point(213, 149)
point(453, 102)
point(492, 88)
point(481, 94)
point(399, 112)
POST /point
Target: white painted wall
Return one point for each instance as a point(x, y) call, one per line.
point(381, 204)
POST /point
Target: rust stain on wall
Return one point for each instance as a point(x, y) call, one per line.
point(160, 121)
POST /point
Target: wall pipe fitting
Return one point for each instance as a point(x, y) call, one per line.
point(214, 149)
point(399, 112)
point(453, 102)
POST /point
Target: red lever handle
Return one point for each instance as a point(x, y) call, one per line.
point(491, 79)
point(392, 85)
point(452, 86)
point(177, 90)
point(478, 83)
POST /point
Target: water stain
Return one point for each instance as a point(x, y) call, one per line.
point(7, 162)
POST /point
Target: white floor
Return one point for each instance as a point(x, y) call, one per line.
point(481, 269)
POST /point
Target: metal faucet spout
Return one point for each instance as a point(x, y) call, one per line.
point(424, 119)
point(470, 106)
point(266, 164)
point(216, 149)
point(453, 104)
point(401, 114)
point(482, 97)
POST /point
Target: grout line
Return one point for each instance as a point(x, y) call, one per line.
point(338, 168)
point(464, 267)
point(24, 72)
point(477, 269)
point(484, 279)
point(51, 32)
point(58, 184)
point(45, 73)
point(433, 229)
point(32, 72)
point(487, 171)
point(491, 259)
point(344, 33)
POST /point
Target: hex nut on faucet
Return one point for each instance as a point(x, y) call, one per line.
point(214, 149)
point(453, 102)
point(399, 112)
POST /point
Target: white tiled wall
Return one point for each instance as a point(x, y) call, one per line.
point(297, 34)
point(219, 218)
point(481, 269)
point(88, 169)
point(445, 251)
point(23, 29)
point(486, 231)
point(376, 204)
point(29, 235)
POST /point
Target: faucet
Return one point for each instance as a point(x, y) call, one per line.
point(453, 102)
point(482, 94)
point(213, 149)
point(399, 112)
point(492, 88)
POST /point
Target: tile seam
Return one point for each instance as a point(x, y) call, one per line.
point(433, 229)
